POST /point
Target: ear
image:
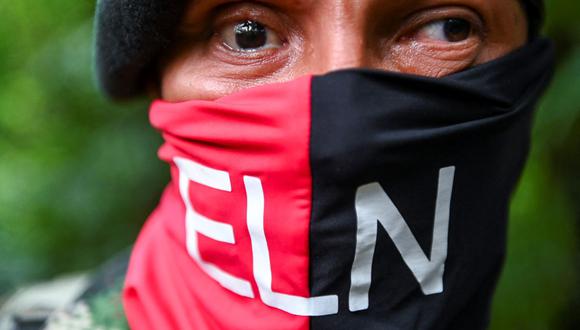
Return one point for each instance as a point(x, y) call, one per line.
point(535, 13)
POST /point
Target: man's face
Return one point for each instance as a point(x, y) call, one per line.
point(225, 46)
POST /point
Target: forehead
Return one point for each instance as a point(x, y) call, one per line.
point(309, 3)
point(286, 3)
point(329, 6)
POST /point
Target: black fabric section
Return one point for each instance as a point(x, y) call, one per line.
point(130, 37)
point(400, 130)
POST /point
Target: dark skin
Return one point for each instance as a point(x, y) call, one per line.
point(225, 46)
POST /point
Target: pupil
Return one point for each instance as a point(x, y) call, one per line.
point(250, 35)
point(457, 29)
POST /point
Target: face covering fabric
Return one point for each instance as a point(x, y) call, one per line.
point(359, 199)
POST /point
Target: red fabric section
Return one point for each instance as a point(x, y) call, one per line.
point(261, 132)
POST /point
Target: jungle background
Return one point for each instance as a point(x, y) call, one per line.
point(79, 175)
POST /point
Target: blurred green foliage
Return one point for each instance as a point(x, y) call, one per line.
point(540, 286)
point(78, 175)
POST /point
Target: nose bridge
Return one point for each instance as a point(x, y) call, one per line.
point(341, 41)
point(344, 50)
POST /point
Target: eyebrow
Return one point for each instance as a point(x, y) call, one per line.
point(294, 4)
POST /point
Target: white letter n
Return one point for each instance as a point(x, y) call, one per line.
point(373, 204)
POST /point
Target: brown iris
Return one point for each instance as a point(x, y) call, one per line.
point(250, 35)
point(456, 29)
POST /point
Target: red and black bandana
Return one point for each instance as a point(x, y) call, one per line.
point(358, 199)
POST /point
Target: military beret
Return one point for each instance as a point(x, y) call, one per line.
point(130, 35)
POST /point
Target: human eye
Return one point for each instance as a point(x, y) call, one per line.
point(249, 36)
point(438, 42)
point(452, 30)
point(447, 25)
